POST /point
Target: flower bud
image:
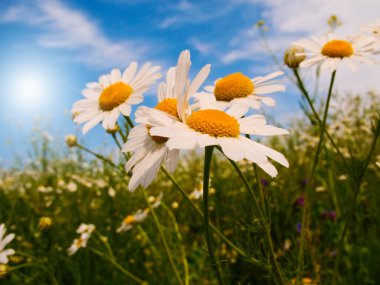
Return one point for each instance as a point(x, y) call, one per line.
point(291, 58)
point(71, 140)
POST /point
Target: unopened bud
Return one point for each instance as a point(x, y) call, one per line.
point(71, 140)
point(291, 58)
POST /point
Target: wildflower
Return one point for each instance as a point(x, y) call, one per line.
point(342, 177)
point(71, 140)
point(72, 187)
point(78, 243)
point(209, 126)
point(149, 151)
point(131, 220)
point(115, 93)
point(320, 189)
point(239, 91)
point(291, 57)
point(175, 205)
point(197, 193)
point(332, 51)
point(86, 229)
point(300, 201)
point(45, 223)
point(334, 22)
point(4, 270)
point(111, 192)
point(287, 244)
point(4, 240)
point(304, 281)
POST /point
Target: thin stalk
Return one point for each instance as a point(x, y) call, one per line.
point(264, 223)
point(118, 266)
point(315, 113)
point(200, 213)
point(350, 212)
point(166, 247)
point(179, 237)
point(305, 212)
point(99, 156)
point(206, 177)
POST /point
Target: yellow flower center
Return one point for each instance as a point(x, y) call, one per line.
point(214, 123)
point(114, 95)
point(233, 86)
point(169, 106)
point(130, 219)
point(337, 48)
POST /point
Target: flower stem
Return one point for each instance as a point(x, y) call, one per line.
point(264, 223)
point(206, 177)
point(166, 247)
point(305, 212)
point(349, 214)
point(118, 266)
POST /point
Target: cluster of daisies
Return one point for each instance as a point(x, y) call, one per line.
point(185, 117)
point(332, 51)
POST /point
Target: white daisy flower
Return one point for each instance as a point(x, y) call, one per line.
point(132, 220)
point(113, 95)
point(239, 91)
point(86, 229)
point(332, 51)
point(78, 243)
point(374, 29)
point(211, 126)
point(4, 240)
point(150, 152)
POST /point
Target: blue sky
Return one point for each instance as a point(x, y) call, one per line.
point(54, 47)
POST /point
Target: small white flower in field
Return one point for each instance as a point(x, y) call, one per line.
point(291, 57)
point(287, 244)
point(71, 140)
point(86, 229)
point(156, 201)
point(113, 95)
point(332, 51)
point(197, 193)
point(78, 243)
point(150, 152)
point(72, 187)
point(4, 240)
point(111, 192)
point(44, 189)
point(131, 220)
point(342, 177)
point(210, 126)
point(320, 189)
point(239, 91)
point(175, 205)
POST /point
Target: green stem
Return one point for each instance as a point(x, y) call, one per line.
point(179, 237)
point(264, 223)
point(206, 177)
point(350, 212)
point(215, 229)
point(118, 266)
point(315, 113)
point(166, 247)
point(99, 156)
point(305, 212)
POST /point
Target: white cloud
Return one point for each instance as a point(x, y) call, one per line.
point(68, 28)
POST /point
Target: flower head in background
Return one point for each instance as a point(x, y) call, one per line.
point(85, 231)
point(45, 223)
point(132, 220)
point(113, 95)
point(210, 126)
point(4, 240)
point(291, 57)
point(71, 140)
point(332, 51)
point(374, 30)
point(239, 91)
point(150, 152)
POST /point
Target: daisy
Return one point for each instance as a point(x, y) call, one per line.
point(132, 220)
point(150, 152)
point(210, 126)
point(86, 229)
point(140, 215)
point(78, 243)
point(4, 240)
point(374, 30)
point(332, 51)
point(240, 91)
point(113, 95)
